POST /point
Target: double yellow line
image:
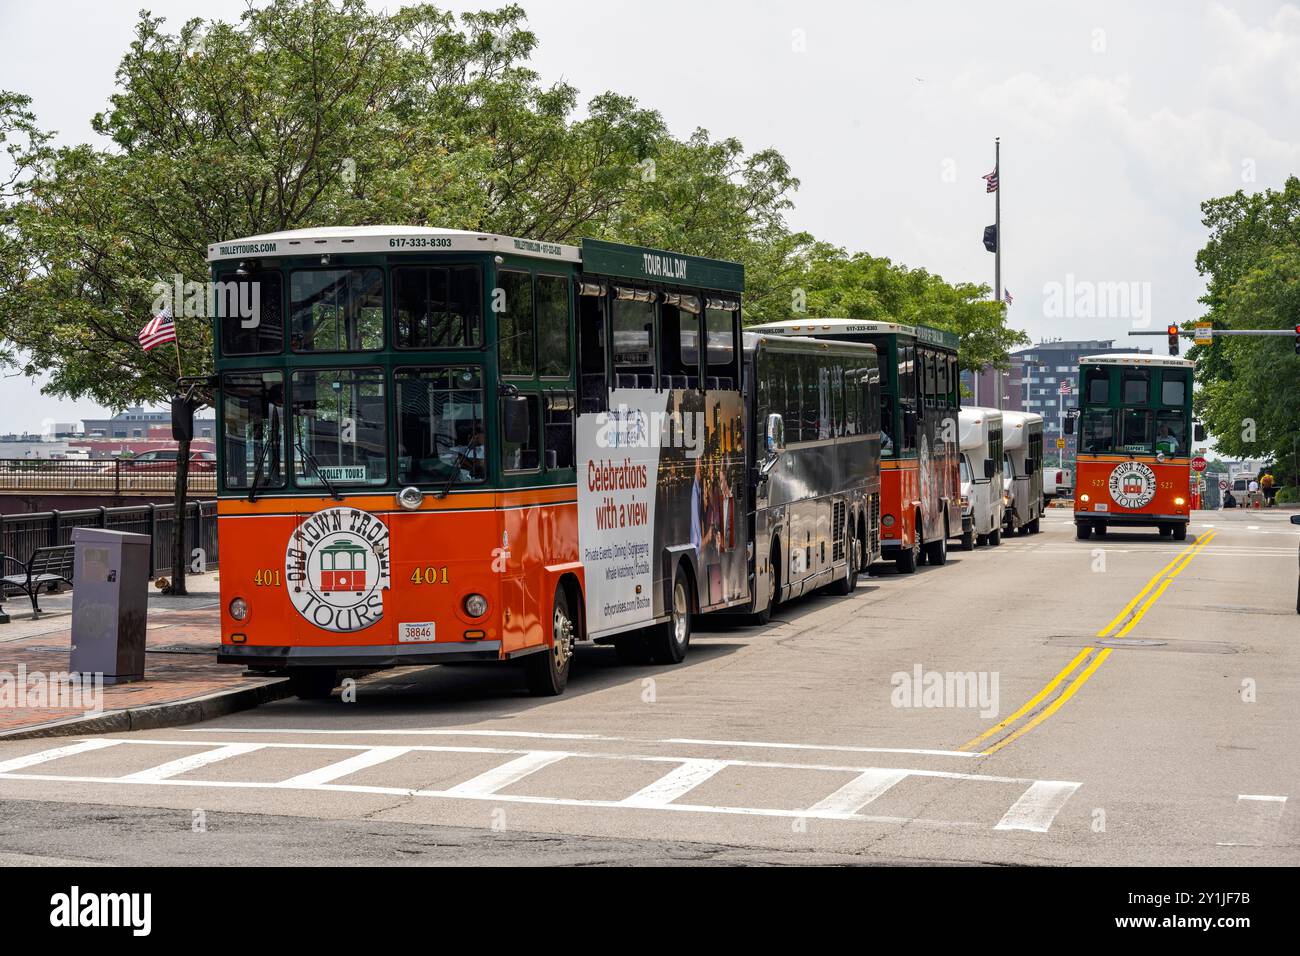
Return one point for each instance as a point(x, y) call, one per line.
point(1090, 658)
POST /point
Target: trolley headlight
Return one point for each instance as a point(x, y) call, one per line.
point(238, 609)
point(410, 497)
point(1084, 498)
point(1179, 501)
point(476, 605)
point(887, 521)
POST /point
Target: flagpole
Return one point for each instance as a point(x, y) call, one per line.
point(997, 220)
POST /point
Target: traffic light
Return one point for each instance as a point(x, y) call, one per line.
point(1173, 339)
point(1297, 340)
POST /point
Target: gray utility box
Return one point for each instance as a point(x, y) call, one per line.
point(110, 603)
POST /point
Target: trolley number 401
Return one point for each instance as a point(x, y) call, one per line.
point(430, 575)
point(269, 578)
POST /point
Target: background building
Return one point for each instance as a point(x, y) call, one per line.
point(139, 424)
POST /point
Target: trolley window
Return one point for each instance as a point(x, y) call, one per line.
point(250, 310)
point(440, 425)
point(252, 429)
point(339, 431)
point(336, 310)
point(512, 301)
point(437, 307)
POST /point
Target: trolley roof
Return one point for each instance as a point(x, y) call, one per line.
point(752, 341)
point(594, 255)
point(1136, 358)
point(833, 327)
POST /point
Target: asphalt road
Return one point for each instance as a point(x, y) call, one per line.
point(1138, 708)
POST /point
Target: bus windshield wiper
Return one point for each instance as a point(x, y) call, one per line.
point(257, 471)
point(461, 458)
point(311, 460)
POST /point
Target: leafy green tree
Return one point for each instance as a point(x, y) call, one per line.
point(1249, 395)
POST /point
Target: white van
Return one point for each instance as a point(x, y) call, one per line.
point(1022, 447)
point(982, 500)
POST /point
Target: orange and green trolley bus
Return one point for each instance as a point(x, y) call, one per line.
point(920, 397)
point(1133, 459)
point(441, 446)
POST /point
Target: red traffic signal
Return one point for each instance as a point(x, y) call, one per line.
point(1297, 339)
point(1173, 339)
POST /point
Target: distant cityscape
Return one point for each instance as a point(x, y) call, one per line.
point(129, 432)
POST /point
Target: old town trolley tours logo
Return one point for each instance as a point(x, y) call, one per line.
point(1132, 485)
point(337, 569)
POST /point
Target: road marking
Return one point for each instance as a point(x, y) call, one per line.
point(762, 744)
point(1260, 796)
point(1164, 584)
point(31, 760)
point(1152, 591)
point(1033, 701)
point(676, 783)
point(191, 762)
point(859, 791)
point(1261, 822)
point(1038, 806)
point(346, 767)
point(664, 794)
point(498, 778)
point(1055, 705)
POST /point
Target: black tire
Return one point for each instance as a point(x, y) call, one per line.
point(907, 560)
point(936, 552)
point(995, 537)
point(547, 672)
point(313, 683)
point(1180, 532)
point(1082, 530)
point(669, 641)
point(847, 584)
point(1100, 529)
point(968, 541)
point(1166, 531)
point(773, 587)
point(1036, 526)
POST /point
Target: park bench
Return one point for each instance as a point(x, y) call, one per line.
point(45, 567)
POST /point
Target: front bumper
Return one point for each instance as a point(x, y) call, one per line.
point(1136, 520)
point(376, 656)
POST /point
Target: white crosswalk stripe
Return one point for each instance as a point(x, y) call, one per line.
point(1034, 810)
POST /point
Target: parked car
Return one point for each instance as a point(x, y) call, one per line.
point(1057, 483)
point(155, 461)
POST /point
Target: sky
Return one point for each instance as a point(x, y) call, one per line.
point(1116, 121)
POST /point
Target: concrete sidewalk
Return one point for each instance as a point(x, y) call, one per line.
point(183, 681)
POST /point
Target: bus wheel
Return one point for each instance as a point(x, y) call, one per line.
point(313, 683)
point(849, 583)
point(909, 559)
point(670, 640)
point(1100, 528)
point(936, 552)
point(1166, 531)
point(995, 537)
point(1036, 526)
point(547, 672)
point(968, 540)
point(1180, 532)
point(1083, 531)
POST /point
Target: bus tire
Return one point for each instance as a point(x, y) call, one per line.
point(669, 640)
point(936, 552)
point(313, 683)
point(547, 672)
point(762, 617)
point(1036, 526)
point(1082, 530)
point(908, 560)
point(1180, 532)
point(968, 541)
point(995, 537)
point(849, 582)
point(1166, 530)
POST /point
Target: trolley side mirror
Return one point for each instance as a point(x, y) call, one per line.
point(1031, 466)
point(182, 419)
point(515, 425)
point(1069, 426)
point(1198, 432)
point(990, 467)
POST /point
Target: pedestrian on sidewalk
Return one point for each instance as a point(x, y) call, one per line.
point(1266, 484)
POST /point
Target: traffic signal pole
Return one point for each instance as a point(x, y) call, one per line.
point(1174, 333)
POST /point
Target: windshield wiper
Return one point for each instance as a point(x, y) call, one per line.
point(461, 457)
point(257, 471)
point(316, 467)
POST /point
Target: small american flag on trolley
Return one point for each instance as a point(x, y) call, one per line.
point(991, 182)
point(1006, 294)
point(160, 330)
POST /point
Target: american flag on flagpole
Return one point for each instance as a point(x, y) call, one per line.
point(991, 182)
point(1006, 294)
point(159, 330)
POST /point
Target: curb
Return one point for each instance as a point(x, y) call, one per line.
point(153, 716)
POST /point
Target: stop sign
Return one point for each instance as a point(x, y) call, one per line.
point(1198, 463)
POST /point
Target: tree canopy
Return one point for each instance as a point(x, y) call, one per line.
point(1249, 394)
point(311, 112)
